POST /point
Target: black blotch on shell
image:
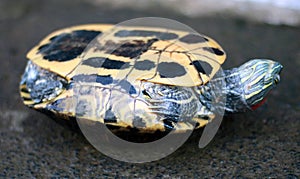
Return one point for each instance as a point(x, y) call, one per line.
point(67, 46)
point(132, 49)
point(193, 38)
point(146, 33)
point(202, 67)
point(144, 65)
point(26, 98)
point(170, 70)
point(103, 79)
point(84, 78)
point(214, 50)
point(125, 85)
point(25, 90)
point(100, 62)
point(110, 117)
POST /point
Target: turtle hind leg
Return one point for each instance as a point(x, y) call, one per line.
point(196, 122)
point(178, 127)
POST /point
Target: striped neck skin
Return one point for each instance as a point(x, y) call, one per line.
point(253, 81)
point(246, 86)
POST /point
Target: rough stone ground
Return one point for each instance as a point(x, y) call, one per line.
point(259, 144)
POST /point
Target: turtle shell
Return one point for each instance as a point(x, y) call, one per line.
point(167, 56)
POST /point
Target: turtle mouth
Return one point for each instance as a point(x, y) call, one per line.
point(277, 69)
point(277, 79)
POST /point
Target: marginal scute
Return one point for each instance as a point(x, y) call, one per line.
point(127, 86)
point(202, 67)
point(110, 117)
point(214, 50)
point(104, 79)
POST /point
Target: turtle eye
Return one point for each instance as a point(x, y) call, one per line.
point(277, 79)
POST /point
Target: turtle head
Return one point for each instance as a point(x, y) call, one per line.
point(258, 77)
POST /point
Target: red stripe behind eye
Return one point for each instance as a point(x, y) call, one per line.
point(254, 107)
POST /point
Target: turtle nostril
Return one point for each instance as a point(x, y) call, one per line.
point(281, 67)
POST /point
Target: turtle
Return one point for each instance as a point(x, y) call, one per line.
point(143, 78)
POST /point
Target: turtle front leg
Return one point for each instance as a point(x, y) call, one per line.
point(171, 104)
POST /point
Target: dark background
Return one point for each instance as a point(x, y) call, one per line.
point(258, 144)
